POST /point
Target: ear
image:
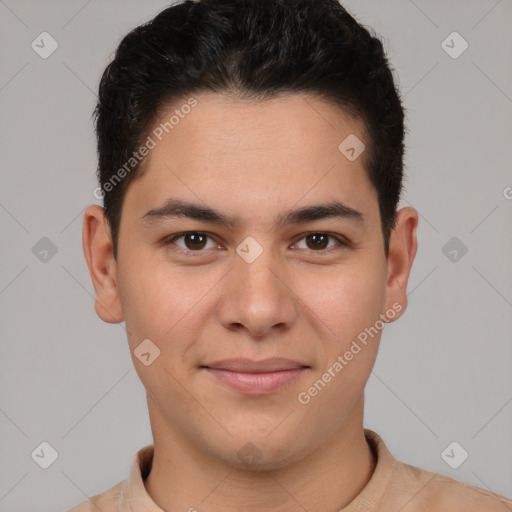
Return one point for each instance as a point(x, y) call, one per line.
point(98, 251)
point(402, 250)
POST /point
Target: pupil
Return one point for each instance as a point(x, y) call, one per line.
point(318, 240)
point(194, 239)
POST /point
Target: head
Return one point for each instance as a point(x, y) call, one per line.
point(253, 50)
point(272, 133)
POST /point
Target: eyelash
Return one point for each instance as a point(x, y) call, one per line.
point(170, 240)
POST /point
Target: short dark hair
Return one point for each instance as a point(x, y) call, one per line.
point(250, 49)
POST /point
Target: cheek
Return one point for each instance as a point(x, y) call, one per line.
point(161, 303)
point(164, 307)
point(355, 301)
point(349, 300)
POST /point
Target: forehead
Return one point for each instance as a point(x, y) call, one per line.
point(227, 125)
point(253, 155)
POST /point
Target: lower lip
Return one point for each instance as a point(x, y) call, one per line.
point(256, 383)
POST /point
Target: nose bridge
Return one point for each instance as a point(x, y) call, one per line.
point(256, 297)
point(255, 274)
point(258, 277)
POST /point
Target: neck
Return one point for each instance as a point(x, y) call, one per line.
point(183, 479)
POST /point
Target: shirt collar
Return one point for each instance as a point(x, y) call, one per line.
point(134, 497)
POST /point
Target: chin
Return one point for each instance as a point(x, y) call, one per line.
point(251, 451)
point(252, 457)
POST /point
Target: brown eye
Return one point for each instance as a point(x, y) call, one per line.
point(192, 241)
point(317, 242)
point(195, 241)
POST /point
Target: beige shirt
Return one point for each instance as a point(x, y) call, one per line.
point(393, 487)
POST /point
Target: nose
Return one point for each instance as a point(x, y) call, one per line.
point(257, 297)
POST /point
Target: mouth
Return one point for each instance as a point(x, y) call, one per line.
point(256, 377)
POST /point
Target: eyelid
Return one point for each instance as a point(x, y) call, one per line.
point(171, 239)
point(342, 241)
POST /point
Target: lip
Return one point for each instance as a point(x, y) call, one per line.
point(256, 377)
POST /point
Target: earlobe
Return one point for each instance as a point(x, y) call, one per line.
point(403, 245)
point(98, 252)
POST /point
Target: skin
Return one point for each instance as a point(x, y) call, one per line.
point(253, 160)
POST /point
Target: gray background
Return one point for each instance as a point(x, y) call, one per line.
point(443, 372)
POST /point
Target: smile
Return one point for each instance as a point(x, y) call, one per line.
point(256, 377)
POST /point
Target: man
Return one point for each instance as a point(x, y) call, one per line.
point(250, 160)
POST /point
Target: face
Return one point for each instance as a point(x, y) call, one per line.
point(251, 256)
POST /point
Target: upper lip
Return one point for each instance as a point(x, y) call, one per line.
point(273, 364)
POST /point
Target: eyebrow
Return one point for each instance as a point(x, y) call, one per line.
point(176, 208)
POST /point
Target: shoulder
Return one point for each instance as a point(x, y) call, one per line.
point(121, 495)
point(433, 491)
point(107, 501)
point(396, 485)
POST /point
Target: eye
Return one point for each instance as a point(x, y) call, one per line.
point(319, 241)
point(199, 242)
point(193, 241)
